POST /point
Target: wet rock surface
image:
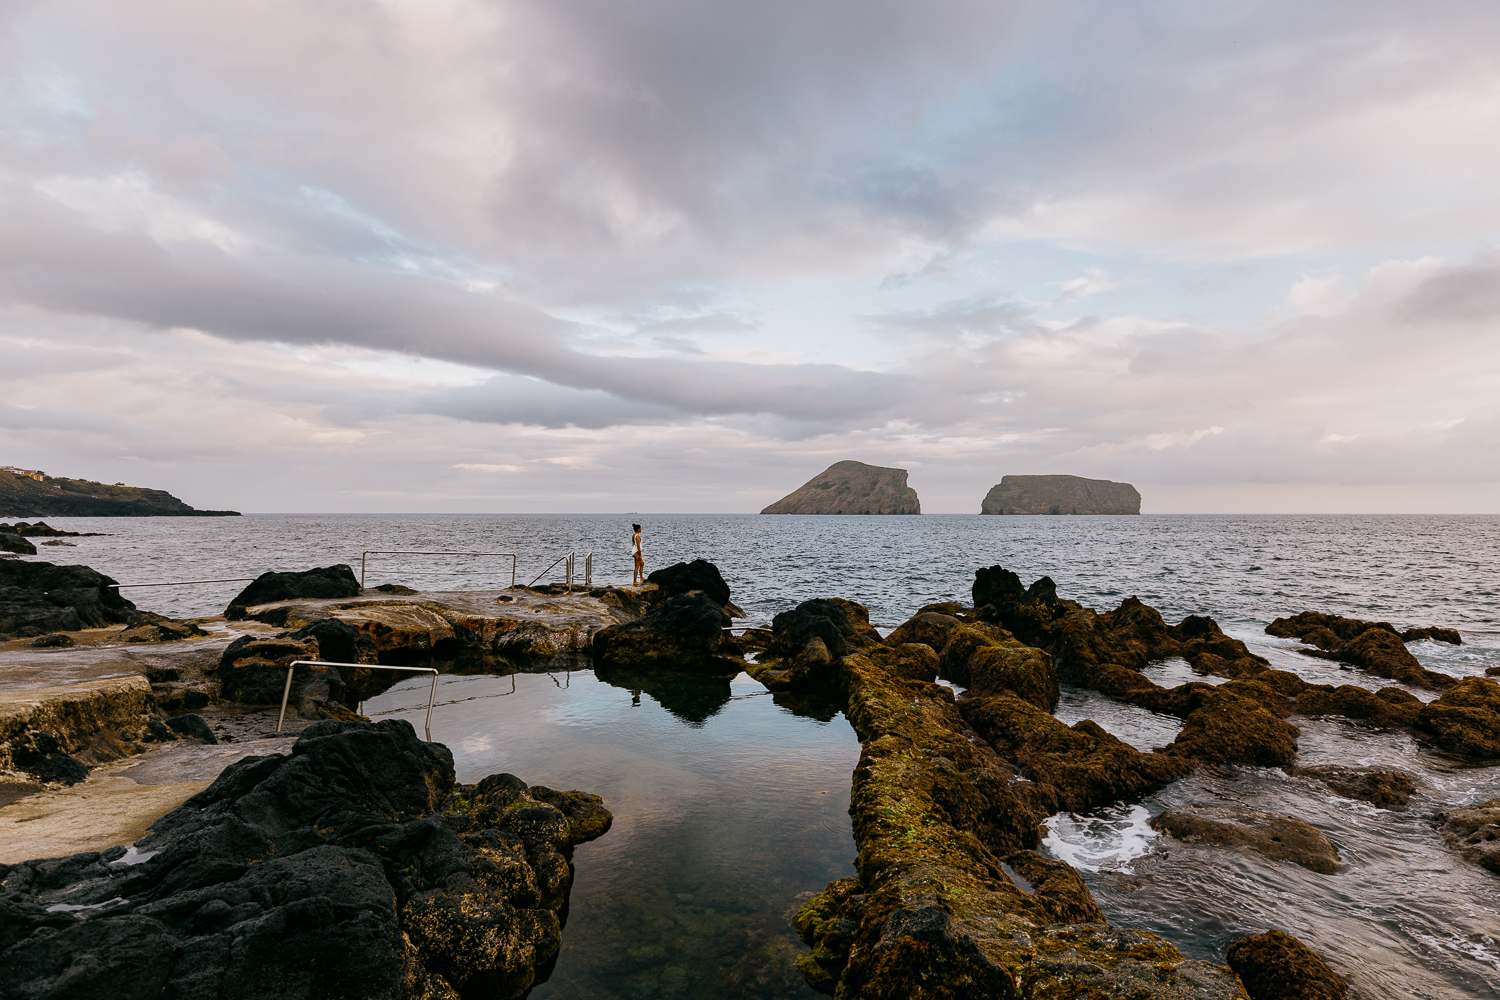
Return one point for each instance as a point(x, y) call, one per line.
point(1376, 647)
point(1466, 719)
point(40, 597)
point(1384, 787)
point(11, 542)
point(1276, 966)
point(686, 633)
point(1475, 831)
point(933, 912)
point(353, 866)
point(1284, 838)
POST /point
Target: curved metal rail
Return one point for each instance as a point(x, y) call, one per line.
point(286, 691)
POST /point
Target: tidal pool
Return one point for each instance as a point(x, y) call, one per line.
point(727, 805)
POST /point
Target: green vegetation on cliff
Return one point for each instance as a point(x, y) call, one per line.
point(22, 496)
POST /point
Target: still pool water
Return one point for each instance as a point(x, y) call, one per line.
point(726, 806)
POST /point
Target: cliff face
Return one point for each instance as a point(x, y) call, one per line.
point(1060, 495)
point(851, 488)
point(21, 496)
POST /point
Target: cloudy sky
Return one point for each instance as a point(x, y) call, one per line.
point(674, 255)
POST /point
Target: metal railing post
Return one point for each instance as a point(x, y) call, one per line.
point(286, 691)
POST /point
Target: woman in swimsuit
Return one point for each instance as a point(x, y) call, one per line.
point(640, 559)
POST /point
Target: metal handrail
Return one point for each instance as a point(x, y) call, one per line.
point(418, 552)
point(287, 691)
point(572, 563)
point(181, 583)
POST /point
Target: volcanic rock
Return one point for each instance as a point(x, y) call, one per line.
point(1375, 646)
point(680, 578)
point(15, 543)
point(1475, 830)
point(252, 669)
point(329, 581)
point(851, 488)
point(1072, 768)
point(685, 633)
point(354, 866)
point(1060, 495)
point(1385, 787)
point(39, 754)
point(913, 661)
point(1276, 966)
point(39, 597)
point(1284, 838)
point(1466, 719)
point(1434, 633)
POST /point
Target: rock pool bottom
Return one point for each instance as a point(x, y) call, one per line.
point(726, 807)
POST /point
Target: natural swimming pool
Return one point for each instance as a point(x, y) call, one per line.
point(726, 804)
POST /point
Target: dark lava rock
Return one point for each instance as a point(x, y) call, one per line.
point(395, 588)
point(39, 754)
point(816, 619)
point(680, 578)
point(353, 866)
point(39, 597)
point(1375, 646)
point(928, 627)
point(1385, 787)
point(1071, 768)
point(587, 817)
point(1060, 890)
point(1475, 830)
point(194, 726)
point(1284, 838)
point(329, 581)
point(1435, 634)
point(41, 529)
point(15, 543)
point(252, 669)
point(1466, 719)
point(1276, 966)
point(685, 633)
point(56, 640)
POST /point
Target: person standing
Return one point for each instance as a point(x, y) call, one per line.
point(639, 576)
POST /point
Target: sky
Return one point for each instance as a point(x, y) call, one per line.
point(667, 255)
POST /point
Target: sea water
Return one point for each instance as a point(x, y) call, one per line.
point(729, 805)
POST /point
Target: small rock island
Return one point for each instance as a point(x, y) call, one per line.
point(851, 488)
point(1060, 495)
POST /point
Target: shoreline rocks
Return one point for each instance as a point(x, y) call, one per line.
point(1475, 832)
point(358, 837)
point(1276, 966)
point(1376, 647)
point(686, 632)
point(851, 488)
point(1060, 495)
point(1284, 838)
point(41, 597)
point(268, 588)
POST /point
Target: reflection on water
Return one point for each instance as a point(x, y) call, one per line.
point(727, 805)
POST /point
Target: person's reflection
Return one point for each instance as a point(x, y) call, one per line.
point(635, 698)
point(693, 698)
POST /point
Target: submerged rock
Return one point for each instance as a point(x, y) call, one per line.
point(851, 488)
point(352, 867)
point(1276, 966)
point(39, 597)
point(1466, 719)
point(685, 633)
point(1475, 830)
point(1385, 787)
point(1060, 495)
point(329, 581)
point(1284, 838)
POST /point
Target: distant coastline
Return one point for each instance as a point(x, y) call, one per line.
point(32, 493)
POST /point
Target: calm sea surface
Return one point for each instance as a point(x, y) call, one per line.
point(728, 804)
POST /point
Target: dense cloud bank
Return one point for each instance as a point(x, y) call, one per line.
point(513, 250)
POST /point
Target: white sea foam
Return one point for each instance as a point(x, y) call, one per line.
point(1108, 840)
